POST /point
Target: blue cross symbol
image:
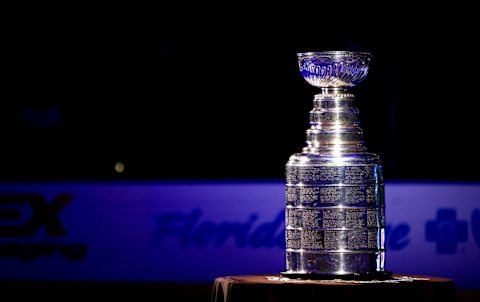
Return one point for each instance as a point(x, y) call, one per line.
point(446, 231)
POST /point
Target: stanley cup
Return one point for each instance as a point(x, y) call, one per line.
point(335, 209)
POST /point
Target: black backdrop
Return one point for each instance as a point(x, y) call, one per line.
point(220, 97)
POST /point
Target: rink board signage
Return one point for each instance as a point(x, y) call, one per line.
point(196, 231)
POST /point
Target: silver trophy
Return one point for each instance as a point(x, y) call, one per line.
point(335, 209)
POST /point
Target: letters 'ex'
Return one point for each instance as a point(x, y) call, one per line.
point(41, 214)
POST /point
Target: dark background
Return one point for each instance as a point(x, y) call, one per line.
point(211, 92)
point(219, 95)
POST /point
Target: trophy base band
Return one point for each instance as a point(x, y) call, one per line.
point(384, 275)
point(337, 264)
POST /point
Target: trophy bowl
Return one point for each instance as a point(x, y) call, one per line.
point(334, 69)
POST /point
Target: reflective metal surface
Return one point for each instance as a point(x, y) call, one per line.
point(335, 209)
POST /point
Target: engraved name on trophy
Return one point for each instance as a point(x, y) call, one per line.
point(335, 209)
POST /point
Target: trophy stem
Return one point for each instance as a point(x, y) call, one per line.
point(334, 124)
point(334, 90)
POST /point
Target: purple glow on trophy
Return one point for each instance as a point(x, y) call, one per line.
point(335, 204)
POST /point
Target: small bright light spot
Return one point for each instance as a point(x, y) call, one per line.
point(119, 167)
